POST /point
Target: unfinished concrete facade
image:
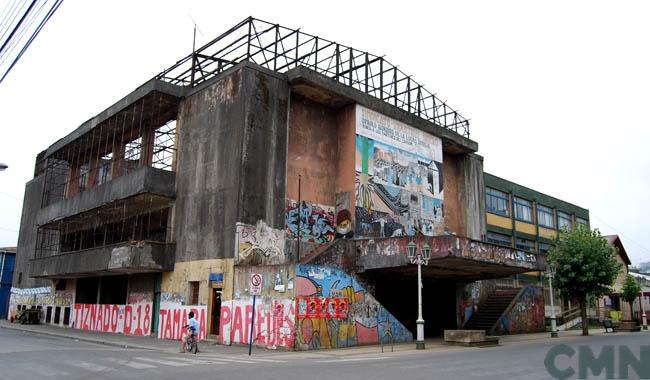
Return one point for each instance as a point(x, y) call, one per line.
point(169, 201)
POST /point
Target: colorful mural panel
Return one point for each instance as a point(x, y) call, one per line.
point(526, 315)
point(365, 322)
point(316, 222)
point(274, 324)
point(398, 184)
point(259, 244)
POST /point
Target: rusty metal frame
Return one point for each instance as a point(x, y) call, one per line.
point(280, 49)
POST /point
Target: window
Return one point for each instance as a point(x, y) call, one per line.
point(543, 247)
point(564, 220)
point(496, 202)
point(545, 216)
point(525, 245)
point(194, 293)
point(523, 210)
point(583, 222)
point(499, 239)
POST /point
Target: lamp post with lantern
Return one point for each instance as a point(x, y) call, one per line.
point(551, 274)
point(419, 258)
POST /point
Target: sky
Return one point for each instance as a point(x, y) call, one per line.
point(557, 92)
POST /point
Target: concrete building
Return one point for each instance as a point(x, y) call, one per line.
point(282, 154)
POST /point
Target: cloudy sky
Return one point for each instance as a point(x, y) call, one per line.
point(558, 92)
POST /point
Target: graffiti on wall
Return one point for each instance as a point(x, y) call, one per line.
point(273, 326)
point(398, 183)
point(316, 222)
point(365, 321)
point(526, 315)
point(259, 244)
point(493, 253)
point(131, 319)
point(322, 307)
point(140, 297)
point(344, 226)
point(443, 246)
point(173, 316)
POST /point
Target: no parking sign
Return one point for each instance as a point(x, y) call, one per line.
point(256, 284)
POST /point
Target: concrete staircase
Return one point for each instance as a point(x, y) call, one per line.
point(491, 310)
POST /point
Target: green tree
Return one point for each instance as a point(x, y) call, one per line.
point(630, 292)
point(586, 265)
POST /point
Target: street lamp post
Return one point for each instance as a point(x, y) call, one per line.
point(551, 275)
point(644, 319)
point(419, 258)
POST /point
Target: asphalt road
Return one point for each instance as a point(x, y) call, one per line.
point(25, 355)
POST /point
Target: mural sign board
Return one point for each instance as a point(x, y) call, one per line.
point(398, 184)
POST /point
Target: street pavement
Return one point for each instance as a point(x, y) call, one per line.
point(25, 354)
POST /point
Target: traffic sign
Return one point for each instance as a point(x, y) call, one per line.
point(256, 284)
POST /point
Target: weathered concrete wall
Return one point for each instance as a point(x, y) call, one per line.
point(175, 285)
point(141, 287)
point(472, 196)
point(231, 161)
point(312, 151)
point(454, 210)
point(27, 235)
point(464, 195)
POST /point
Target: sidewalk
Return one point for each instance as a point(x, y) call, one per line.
point(208, 347)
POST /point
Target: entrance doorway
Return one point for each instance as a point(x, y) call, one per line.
point(215, 311)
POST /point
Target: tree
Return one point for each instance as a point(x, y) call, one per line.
point(630, 292)
point(586, 265)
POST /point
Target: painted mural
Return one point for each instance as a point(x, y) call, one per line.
point(526, 315)
point(259, 244)
point(316, 222)
point(398, 183)
point(335, 311)
point(173, 318)
point(131, 319)
point(274, 324)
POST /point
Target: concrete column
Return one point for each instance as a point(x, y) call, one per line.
point(473, 196)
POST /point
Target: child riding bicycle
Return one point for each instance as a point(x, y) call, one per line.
point(191, 330)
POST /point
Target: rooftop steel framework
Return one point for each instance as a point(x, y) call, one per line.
point(280, 49)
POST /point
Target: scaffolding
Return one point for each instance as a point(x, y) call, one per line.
point(142, 134)
point(280, 49)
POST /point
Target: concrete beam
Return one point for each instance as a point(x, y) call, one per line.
point(143, 180)
point(123, 258)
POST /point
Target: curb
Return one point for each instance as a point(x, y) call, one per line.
point(80, 339)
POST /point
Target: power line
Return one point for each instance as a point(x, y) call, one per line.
point(17, 27)
point(40, 26)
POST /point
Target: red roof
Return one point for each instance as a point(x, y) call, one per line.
point(615, 240)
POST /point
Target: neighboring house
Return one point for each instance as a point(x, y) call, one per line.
point(613, 302)
point(240, 170)
point(7, 258)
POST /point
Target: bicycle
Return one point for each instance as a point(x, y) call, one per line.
point(191, 343)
